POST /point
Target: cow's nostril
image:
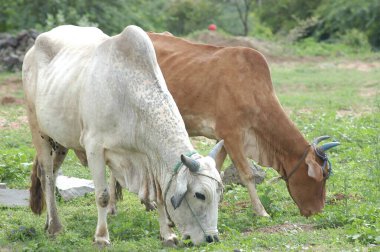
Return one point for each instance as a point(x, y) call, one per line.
point(209, 238)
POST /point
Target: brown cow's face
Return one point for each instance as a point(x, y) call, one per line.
point(307, 185)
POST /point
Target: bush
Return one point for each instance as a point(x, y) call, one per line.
point(356, 39)
point(186, 16)
point(15, 166)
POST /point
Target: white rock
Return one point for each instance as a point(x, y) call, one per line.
point(14, 197)
point(70, 187)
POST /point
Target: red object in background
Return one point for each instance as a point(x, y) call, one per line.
point(212, 27)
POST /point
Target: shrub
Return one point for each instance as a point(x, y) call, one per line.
point(356, 39)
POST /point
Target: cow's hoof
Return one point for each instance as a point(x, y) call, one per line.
point(54, 229)
point(101, 242)
point(112, 211)
point(150, 206)
point(172, 243)
point(264, 214)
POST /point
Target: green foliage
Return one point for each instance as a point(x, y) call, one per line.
point(283, 15)
point(352, 23)
point(334, 19)
point(356, 40)
point(339, 16)
point(15, 165)
point(311, 47)
point(111, 16)
point(22, 234)
point(186, 16)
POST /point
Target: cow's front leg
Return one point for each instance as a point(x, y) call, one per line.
point(95, 157)
point(166, 231)
point(235, 149)
point(220, 157)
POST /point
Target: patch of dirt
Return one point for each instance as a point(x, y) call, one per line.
point(286, 227)
point(276, 53)
point(353, 113)
point(336, 198)
point(5, 124)
point(9, 89)
point(359, 65)
point(369, 91)
point(8, 100)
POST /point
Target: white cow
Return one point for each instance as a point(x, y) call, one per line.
point(105, 97)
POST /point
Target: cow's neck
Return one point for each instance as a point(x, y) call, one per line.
point(280, 144)
point(170, 150)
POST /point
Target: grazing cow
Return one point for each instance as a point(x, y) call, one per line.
point(227, 93)
point(105, 97)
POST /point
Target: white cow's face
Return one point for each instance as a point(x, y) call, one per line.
point(194, 203)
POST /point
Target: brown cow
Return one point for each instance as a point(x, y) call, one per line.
point(227, 93)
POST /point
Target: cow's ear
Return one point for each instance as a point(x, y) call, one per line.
point(180, 189)
point(314, 170)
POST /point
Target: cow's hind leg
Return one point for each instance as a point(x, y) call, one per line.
point(44, 175)
point(235, 149)
point(59, 155)
point(96, 163)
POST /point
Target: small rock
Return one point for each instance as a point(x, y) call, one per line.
point(231, 175)
point(70, 187)
point(14, 197)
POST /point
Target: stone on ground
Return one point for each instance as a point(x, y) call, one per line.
point(14, 197)
point(70, 187)
point(231, 175)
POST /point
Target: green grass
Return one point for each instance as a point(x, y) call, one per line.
point(321, 99)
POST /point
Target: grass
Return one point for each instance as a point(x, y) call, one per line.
point(321, 98)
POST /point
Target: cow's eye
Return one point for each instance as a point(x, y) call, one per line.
point(200, 196)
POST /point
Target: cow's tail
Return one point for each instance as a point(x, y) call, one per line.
point(118, 191)
point(37, 198)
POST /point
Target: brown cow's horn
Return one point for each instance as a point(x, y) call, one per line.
point(319, 139)
point(216, 149)
point(327, 146)
point(190, 163)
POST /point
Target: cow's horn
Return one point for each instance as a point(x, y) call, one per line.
point(216, 149)
point(330, 145)
point(190, 163)
point(319, 139)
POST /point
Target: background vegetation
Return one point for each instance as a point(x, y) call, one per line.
point(335, 93)
point(355, 22)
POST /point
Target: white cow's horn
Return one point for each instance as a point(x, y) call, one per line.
point(216, 149)
point(190, 163)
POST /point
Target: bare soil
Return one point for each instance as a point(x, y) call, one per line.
point(286, 227)
point(274, 52)
point(8, 91)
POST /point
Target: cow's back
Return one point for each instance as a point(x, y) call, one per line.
point(210, 83)
point(52, 78)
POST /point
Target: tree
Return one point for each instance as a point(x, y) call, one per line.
point(243, 8)
point(186, 16)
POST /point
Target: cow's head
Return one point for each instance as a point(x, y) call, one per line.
point(307, 180)
point(193, 201)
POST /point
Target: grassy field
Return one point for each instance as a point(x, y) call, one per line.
point(337, 98)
